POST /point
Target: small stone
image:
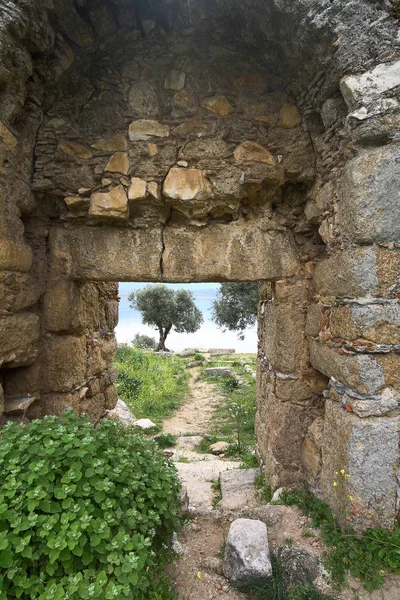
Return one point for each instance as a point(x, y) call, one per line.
point(148, 25)
point(120, 413)
point(153, 150)
point(106, 181)
point(137, 189)
point(183, 100)
point(110, 205)
point(17, 405)
point(6, 136)
point(247, 559)
point(84, 191)
point(191, 126)
point(75, 203)
point(218, 105)
point(118, 163)
point(175, 80)
point(219, 447)
point(252, 152)
point(74, 150)
point(143, 129)
point(144, 424)
point(289, 116)
point(117, 143)
point(186, 184)
point(219, 371)
point(182, 163)
point(277, 495)
point(154, 190)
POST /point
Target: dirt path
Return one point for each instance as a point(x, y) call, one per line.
point(194, 416)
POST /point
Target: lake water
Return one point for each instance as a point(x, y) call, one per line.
point(208, 336)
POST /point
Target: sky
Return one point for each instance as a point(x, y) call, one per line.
point(208, 336)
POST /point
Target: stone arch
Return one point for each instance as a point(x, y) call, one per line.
point(236, 141)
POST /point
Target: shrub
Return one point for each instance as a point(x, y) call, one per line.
point(83, 512)
point(144, 342)
point(151, 385)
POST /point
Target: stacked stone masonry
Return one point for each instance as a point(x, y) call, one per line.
point(238, 141)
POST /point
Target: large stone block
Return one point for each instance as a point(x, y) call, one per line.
point(64, 363)
point(227, 252)
point(359, 272)
point(367, 451)
point(363, 373)
point(369, 208)
point(18, 334)
point(14, 256)
point(363, 88)
point(106, 253)
point(379, 323)
point(71, 307)
point(187, 186)
point(112, 205)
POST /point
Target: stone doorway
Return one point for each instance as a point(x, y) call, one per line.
point(232, 142)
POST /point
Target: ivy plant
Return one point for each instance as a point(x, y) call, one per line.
point(83, 511)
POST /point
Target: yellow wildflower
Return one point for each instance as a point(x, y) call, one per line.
point(335, 484)
point(198, 575)
point(342, 471)
point(351, 498)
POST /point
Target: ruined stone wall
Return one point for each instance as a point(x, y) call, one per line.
point(235, 141)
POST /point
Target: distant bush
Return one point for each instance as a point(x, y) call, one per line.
point(144, 342)
point(150, 384)
point(83, 512)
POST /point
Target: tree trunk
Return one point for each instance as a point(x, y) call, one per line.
point(163, 336)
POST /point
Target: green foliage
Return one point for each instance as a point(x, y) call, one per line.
point(151, 385)
point(197, 356)
point(236, 306)
point(165, 308)
point(144, 342)
point(262, 485)
point(166, 440)
point(83, 511)
point(365, 555)
point(233, 419)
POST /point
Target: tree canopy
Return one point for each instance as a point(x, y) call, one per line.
point(165, 308)
point(236, 306)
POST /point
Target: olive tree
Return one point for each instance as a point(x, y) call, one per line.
point(236, 306)
point(164, 308)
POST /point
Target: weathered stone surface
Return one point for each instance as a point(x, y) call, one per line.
point(218, 105)
point(137, 189)
point(154, 190)
point(17, 405)
point(359, 272)
point(298, 565)
point(118, 163)
point(379, 323)
point(190, 442)
point(219, 372)
point(7, 137)
point(197, 257)
point(18, 334)
point(186, 185)
point(175, 80)
point(65, 363)
point(252, 152)
point(367, 449)
point(144, 129)
point(191, 126)
point(117, 143)
point(102, 254)
point(219, 447)
point(363, 88)
point(77, 204)
point(247, 560)
point(311, 457)
point(144, 424)
point(237, 488)
point(15, 256)
point(143, 99)
point(73, 149)
point(289, 116)
point(369, 209)
point(121, 414)
point(110, 205)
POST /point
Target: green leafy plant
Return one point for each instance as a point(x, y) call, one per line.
point(261, 484)
point(231, 384)
point(83, 511)
point(151, 385)
point(166, 440)
point(365, 555)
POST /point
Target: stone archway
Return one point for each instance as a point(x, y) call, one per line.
point(239, 142)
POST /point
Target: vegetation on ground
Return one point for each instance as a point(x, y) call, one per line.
point(84, 512)
point(144, 342)
point(236, 306)
point(164, 308)
point(233, 419)
point(151, 385)
point(365, 555)
point(261, 484)
point(275, 588)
